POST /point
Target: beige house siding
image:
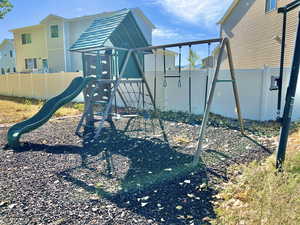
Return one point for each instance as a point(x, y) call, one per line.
point(36, 49)
point(252, 33)
point(55, 46)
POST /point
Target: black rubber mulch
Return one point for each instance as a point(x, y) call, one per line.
point(126, 178)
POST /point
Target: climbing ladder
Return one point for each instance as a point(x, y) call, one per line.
point(104, 92)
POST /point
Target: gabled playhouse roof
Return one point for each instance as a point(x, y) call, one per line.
point(119, 29)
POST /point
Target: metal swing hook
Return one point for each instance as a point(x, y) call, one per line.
point(165, 84)
point(179, 83)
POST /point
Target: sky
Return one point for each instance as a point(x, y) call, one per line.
point(175, 20)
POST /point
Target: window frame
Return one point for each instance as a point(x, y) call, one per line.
point(26, 38)
point(268, 6)
point(33, 63)
point(54, 33)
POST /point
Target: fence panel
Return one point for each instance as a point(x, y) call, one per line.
point(39, 86)
point(257, 101)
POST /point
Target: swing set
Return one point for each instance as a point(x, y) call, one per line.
point(123, 92)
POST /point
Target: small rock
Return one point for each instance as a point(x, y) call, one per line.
point(12, 206)
point(145, 198)
point(3, 203)
point(179, 207)
point(144, 204)
point(94, 197)
point(191, 195)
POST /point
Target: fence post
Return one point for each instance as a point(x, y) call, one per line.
point(6, 85)
point(31, 84)
point(263, 92)
point(18, 94)
point(46, 86)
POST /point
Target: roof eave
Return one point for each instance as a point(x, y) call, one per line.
point(228, 12)
point(51, 16)
point(5, 41)
point(144, 17)
point(24, 28)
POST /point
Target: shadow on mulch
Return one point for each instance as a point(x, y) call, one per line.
point(156, 181)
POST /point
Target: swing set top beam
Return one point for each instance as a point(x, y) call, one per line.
point(180, 44)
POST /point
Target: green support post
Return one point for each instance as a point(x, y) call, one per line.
point(289, 104)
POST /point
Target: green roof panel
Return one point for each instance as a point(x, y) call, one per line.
point(122, 31)
point(99, 31)
point(120, 28)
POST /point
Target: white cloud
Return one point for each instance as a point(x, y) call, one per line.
point(165, 33)
point(168, 35)
point(196, 11)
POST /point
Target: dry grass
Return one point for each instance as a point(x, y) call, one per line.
point(257, 194)
point(14, 109)
point(294, 141)
point(182, 140)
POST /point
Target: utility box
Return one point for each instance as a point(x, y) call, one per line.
point(274, 83)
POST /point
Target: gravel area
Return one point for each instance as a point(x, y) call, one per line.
point(131, 177)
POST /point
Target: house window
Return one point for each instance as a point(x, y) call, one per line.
point(11, 53)
point(14, 69)
point(8, 70)
point(30, 64)
point(54, 31)
point(26, 39)
point(2, 71)
point(271, 5)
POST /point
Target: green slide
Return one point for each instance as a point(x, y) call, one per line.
point(45, 113)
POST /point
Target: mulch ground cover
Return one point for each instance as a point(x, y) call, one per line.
point(132, 177)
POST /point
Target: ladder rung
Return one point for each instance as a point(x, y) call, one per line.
point(224, 81)
point(172, 76)
point(100, 102)
point(130, 116)
point(98, 114)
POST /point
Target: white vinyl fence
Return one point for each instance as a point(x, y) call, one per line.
point(257, 101)
point(38, 86)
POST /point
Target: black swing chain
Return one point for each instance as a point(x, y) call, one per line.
point(165, 71)
point(155, 74)
point(179, 79)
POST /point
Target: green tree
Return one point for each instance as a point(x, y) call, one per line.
point(5, 7)
point(193, 58)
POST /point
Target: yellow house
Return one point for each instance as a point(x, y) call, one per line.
point(254, 28)
point(45, 46)
point(30, 45)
